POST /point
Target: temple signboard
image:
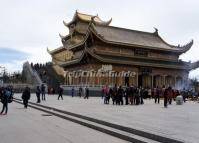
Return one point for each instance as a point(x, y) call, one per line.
point(107, 68)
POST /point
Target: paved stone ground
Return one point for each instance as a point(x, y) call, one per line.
point(30, 126)
point(176, 121)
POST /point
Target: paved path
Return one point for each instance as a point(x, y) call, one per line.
point(177, 121)
point(32, 126)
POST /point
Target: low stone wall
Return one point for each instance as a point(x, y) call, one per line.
point(93, 91)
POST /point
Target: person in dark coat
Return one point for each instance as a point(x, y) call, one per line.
point(131, 94)
point(73, 92)
point(184, 94)
point(26, 96)
point(137, 96)
point(120, 94)
point(166, 94)
point(80, 92)
point(38, 92)
point(110, 94)
point(60, 93)
point(127, 93)
point(106, 95)
point(43, 92)
point(143, 92)
point(5, 95)
point(157, 95)
point(114, 94)
point(87, 93)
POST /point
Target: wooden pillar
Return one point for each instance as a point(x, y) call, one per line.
point(137, 74)
point(120, 78)
point(175, 81)
point(86, 79)
point(82, 74)
point(100, 79)
point(96, 78)
point(65, 78)
point(164, 80)
point(89, 78)
point(92, 78)
point(112, 78)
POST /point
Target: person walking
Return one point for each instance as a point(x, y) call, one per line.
point(43, 92)
point(120, 93)
point(26, 96)
point(184, 94)
point(38, 92)
point(157, 95)
point(6, 94)
point(60, 93)
point(131, 95)
point(166, 94)
point(114, 94)
point(86, 93)
point(110, 94)
point(170, 95)
point(137, 96)
point(106, 94)
point(143, 93)
point(127, 93)
point(80, 92)
point(73, 92)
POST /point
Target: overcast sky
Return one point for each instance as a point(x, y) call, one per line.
point(28, 27)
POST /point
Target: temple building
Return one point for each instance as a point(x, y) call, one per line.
point(95, 53)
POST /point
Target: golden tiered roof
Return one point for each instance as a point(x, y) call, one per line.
point(115, 36)
point(87, 18)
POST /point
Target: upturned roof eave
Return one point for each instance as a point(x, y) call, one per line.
point(69, 48)
point(179, 50)
point(55, 50)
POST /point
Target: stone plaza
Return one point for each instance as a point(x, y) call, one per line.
point(28, 125)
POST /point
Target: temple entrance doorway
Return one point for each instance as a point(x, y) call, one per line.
point(126, 80)
point(144, 81)
point(157, 81)
point(140, 80)
point(179, 83)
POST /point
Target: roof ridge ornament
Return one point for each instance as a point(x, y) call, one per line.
point(194, 65)
point(65, 23)
point(61, 36)
point(93, 19)
point(186, 45)
point(156, 31)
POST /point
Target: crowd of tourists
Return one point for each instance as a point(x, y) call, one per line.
point(135, 95)
point(6, 96)
point(120, 95)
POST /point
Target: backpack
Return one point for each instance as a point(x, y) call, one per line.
point(9, 95)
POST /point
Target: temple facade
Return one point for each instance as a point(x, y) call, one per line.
point(95, 53)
